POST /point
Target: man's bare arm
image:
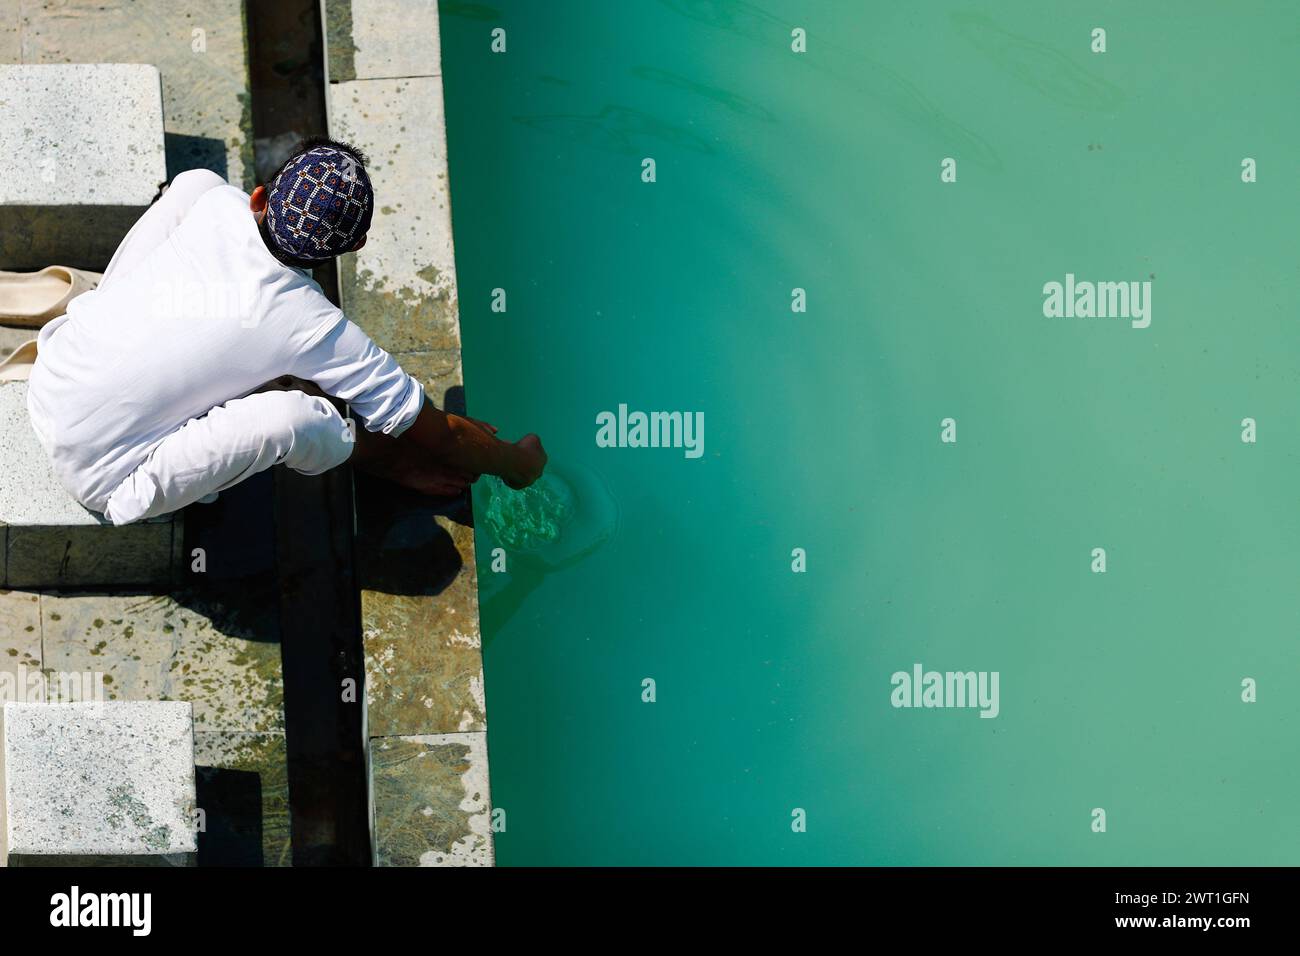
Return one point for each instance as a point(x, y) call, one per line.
point(469, 446)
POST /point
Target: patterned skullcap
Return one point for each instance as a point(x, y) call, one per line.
point(319, 205)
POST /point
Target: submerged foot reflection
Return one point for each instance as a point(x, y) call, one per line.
point(560, 520)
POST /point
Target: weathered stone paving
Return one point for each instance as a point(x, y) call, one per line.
point(214, 644)
point(426, 708)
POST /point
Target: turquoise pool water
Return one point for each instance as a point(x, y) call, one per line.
point(821, 171)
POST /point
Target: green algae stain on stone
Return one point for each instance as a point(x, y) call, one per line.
point(243, 829)
point(424, 671)
point(427, 798)
point(399, 318)
point(223, 659)
point(129, 807)
point(342, 52)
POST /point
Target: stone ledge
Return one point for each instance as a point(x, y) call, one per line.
point(99, 783)
point(90, 134)
point(91, 138)
point(381, 39)
point(401, 286)
point(431, 800)
point(199, 47)
point(425, 706)
point(420, 632)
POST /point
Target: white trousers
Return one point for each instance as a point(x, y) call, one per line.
point(236, 439)
point(228, 444)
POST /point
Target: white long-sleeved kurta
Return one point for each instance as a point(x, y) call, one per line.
point(205, 316)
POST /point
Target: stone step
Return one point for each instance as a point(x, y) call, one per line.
point(99, 783)
point(49, 540)
point(91, 140)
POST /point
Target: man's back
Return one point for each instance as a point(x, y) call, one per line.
point(205, 316)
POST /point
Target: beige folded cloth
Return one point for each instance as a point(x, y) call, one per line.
point(31, 299)
point(18, 364)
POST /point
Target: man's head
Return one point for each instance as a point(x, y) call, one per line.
point(318, 204)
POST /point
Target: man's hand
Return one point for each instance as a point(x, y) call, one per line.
point(530, 462)
point(470, 447)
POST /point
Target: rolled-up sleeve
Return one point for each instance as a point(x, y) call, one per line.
point(345, 363)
